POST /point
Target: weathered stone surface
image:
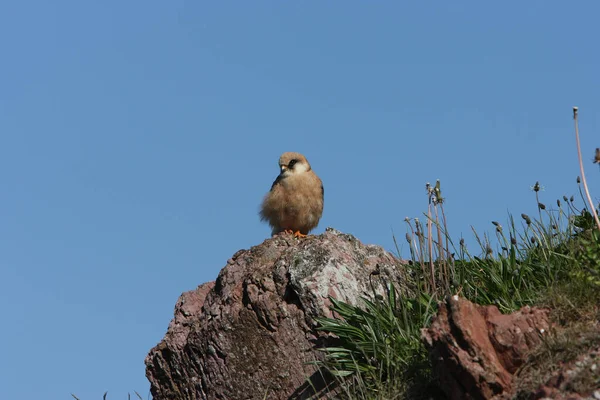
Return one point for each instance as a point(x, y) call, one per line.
point(251, 333)
point(475, 349)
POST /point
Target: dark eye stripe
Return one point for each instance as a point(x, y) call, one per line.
point(292, 163)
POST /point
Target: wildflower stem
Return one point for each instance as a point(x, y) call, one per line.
point(585, 187)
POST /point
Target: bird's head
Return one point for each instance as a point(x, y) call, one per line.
point(293, 164)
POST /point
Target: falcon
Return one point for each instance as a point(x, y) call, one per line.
point(295, 202)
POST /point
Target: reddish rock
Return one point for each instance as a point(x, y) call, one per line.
point(475, 349)
point(251, 334)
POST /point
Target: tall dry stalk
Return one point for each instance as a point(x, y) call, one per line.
point(430, 240)
point(585, 186)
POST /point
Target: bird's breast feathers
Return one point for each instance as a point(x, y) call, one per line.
point(301, 185)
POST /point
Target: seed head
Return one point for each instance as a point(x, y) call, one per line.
point(526, 218)
point(498, 226)
point(542, 206)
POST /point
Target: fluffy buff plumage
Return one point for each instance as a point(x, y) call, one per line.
point(295, 201)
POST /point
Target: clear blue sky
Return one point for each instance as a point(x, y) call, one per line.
point(137, 139)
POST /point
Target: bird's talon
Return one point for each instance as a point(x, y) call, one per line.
point(299, 235)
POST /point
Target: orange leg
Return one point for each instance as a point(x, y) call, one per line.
point(289, 231)
point(299, 235)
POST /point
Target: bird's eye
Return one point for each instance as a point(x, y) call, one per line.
point(292, 163)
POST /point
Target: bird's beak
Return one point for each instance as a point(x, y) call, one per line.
point(283, 168)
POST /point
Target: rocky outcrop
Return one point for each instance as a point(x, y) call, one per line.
point(475, 350)
point(251, 333)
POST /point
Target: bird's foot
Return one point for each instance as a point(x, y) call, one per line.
point(296, 234)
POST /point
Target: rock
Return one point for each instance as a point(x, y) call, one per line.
point(475, 350)
point(252, 334)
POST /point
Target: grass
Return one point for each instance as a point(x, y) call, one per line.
point(561, 345)
point(550, 259)
point(379, 343)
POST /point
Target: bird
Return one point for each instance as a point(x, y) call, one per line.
point(295, 202)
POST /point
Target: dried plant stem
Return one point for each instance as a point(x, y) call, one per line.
point(585, 186)
point(441, 253)
point(445, 231)
point(421, 236)
point(430, 247)
point(417, 253)
point(449, 257)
